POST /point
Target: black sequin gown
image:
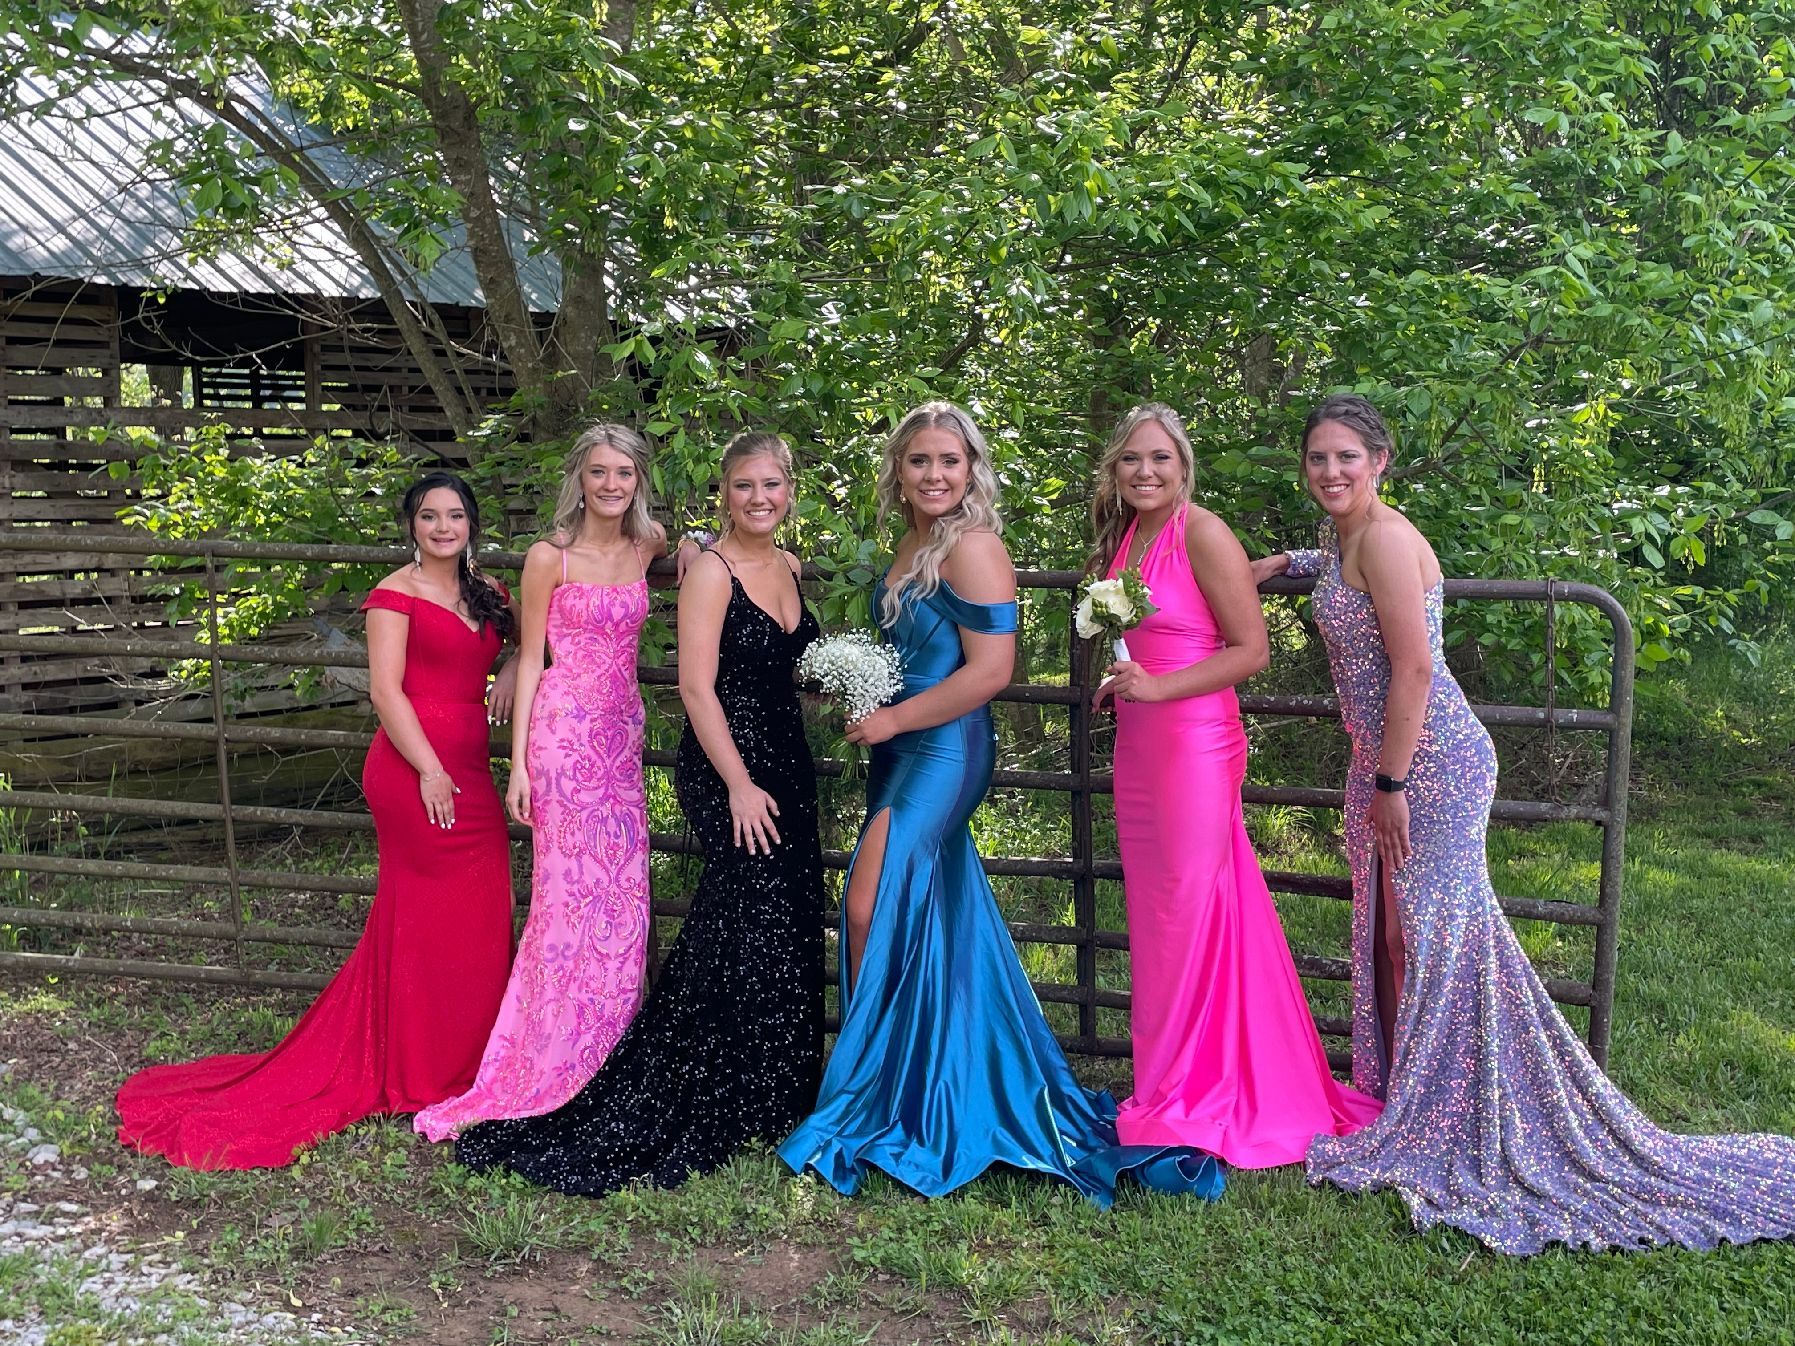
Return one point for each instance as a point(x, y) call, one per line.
point(728, 1046)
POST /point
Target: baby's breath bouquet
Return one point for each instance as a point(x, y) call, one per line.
point(1110, 607)
point(854, 670)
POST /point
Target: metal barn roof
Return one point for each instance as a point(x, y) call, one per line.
point(79, 200)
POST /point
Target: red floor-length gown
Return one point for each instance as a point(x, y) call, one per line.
point(403, 1022)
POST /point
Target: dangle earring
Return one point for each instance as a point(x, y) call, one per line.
point(473, 567)
point(417, 557)
point(582, 502)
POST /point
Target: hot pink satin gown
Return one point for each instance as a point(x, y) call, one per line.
point(1226, 1056)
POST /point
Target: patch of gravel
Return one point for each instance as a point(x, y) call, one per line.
point(147, 1300)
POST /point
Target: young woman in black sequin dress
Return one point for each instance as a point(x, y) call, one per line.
point(728, 1046)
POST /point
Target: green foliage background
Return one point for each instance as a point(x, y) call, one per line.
point(1553, 239)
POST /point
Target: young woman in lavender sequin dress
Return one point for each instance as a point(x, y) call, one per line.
point(1496, 1120)
point(576, 781)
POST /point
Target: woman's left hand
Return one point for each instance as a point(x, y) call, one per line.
point(502, 694)
point(1390, 828)
point(875, 728)
point(1128, 681)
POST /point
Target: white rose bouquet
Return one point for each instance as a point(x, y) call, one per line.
point(854, 670)
point(1110, 607)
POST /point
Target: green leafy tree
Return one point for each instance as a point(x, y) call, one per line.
point(1553, 240)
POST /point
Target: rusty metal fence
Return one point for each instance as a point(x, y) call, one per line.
point(1080, 784)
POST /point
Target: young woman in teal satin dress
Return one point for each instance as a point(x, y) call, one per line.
point(944, 1064)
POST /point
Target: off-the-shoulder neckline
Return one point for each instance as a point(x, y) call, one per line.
point(473, 630)
point(955, 594)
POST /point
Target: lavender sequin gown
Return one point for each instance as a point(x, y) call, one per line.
point(1496, 1121)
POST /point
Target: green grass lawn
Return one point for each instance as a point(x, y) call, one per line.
point(379, 1229)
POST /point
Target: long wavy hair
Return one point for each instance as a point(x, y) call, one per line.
point(741, 447)
point(569, 514)
point(484, 603)
point(1110, 514)
point(977, 508)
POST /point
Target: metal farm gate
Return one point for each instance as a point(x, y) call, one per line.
point(228, 816)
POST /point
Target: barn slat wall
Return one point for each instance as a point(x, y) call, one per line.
point(271, 369)
point(59, 348)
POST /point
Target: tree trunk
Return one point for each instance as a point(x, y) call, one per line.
point(462, 147)
point(366, 244)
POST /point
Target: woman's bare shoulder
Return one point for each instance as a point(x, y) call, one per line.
point(399, 581)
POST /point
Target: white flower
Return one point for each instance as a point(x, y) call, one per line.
point(1082, 619)
point(855, 670)
point(1109, 598)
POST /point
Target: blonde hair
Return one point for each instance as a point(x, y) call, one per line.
point(569, 511)
point(977, 508)
point(749, 444)
point(1110, 514)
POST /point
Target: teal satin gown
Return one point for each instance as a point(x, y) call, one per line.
point(944, 1064)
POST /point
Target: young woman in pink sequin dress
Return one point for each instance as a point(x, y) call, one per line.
point(576, 781)
point(1226, 1056)
point(1496, 1120)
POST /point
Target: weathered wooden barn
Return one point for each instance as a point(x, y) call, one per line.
point(111, 321)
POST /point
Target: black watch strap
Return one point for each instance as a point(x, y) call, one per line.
point(1391, 785)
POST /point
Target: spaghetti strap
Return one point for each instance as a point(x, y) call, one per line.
point(718, 553)
point(641, 565)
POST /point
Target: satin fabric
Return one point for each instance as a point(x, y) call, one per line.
point(402, 1023)
point(1226, 1056)
point(944, 1064)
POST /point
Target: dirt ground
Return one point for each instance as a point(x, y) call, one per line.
point(409, 1279)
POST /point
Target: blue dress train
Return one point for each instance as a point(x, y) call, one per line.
point(944, 1064)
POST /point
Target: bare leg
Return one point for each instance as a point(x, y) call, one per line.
point(863, 888)
point(1389, 961)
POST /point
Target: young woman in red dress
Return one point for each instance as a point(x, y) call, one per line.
point(403, 1022)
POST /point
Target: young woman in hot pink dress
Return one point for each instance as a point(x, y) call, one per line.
point(576, 781)
point(1226, 1056)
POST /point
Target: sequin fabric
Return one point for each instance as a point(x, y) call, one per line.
point(578, 976)
point(728, 1046)
point(1496, 1121)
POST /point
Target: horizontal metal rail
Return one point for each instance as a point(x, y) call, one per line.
point(1082, 870)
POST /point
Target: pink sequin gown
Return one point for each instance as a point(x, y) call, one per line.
point(578, 977)
point(1496, 1120)
point(1226, 1056)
